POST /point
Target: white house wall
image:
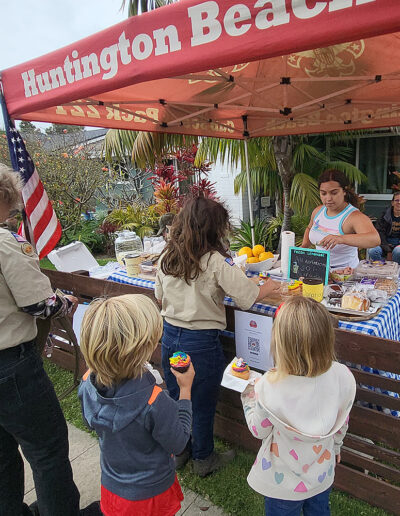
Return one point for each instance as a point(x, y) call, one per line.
point(223, 176)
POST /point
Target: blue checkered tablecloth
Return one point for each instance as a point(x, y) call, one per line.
point(386, 324)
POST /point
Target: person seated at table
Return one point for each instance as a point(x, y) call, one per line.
point(337, 225)
point(388, 226)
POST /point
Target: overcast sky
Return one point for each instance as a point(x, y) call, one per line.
point(30, 28)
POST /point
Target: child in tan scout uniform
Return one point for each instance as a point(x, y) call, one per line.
point(195, 274)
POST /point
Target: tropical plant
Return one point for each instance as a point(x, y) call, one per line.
point(138, 217)
point(136, 7)
point(241, 236)
point(286, 167)
point(108, 230)
point(274, 227)
point(87, 233)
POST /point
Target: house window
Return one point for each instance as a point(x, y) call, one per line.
point(379, 157)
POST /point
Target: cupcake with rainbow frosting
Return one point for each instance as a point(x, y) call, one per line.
point(241, 369)
point(180, 361)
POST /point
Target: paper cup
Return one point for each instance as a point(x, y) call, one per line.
point(313, 288)
point(132, 262)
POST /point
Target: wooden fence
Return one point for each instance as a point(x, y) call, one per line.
point(370, 467)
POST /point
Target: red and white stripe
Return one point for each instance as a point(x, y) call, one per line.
point(44, 226)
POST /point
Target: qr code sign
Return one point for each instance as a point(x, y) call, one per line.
point(253, 344)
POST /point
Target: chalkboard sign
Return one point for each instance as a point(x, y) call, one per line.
point(308, 263)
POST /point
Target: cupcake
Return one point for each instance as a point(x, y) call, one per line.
point(180, 361)
point(241, 369)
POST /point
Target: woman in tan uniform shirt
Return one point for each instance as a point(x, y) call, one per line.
point(30, 414)
point(195, 275)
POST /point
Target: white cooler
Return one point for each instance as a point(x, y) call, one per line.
point(72, 257)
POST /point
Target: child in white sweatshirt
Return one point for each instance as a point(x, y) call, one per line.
point(300, 410)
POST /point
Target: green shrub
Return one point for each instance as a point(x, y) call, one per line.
point(86, 232)
point(299, 224)
point(241, 236)
point(139, 218)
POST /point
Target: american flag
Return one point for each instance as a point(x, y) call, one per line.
point(41, 220)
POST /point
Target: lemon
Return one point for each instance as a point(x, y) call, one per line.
point(247, 251)
point(252, 259)
point(265, 256)
point(258, 249)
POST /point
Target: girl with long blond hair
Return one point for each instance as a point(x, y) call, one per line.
point(300, 410)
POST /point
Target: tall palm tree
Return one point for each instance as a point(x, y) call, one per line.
point(136, 7)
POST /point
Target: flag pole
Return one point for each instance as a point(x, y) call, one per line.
point(249, 189)
point(14, 163)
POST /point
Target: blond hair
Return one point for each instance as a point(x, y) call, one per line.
point(10, 187)
point(119, 335)
point(303, 339)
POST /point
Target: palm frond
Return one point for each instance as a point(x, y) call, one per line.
point(305, 156)
point(241, 236)
point(264, 181)
point(230, 151)
point(304, 194)
point(118, 144)
point(136, 7)
point(354, 174)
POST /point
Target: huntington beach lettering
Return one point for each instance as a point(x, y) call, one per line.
point(207, 24)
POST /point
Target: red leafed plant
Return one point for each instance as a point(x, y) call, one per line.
point(171, 184)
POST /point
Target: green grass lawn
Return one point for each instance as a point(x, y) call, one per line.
point(45, 263)
point(226, 488)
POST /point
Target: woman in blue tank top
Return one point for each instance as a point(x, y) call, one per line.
point(337, 225)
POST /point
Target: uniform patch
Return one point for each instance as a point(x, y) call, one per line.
point(28, 249)
point(229, 261)
point(18, 238)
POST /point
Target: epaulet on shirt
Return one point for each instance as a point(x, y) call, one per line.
point(229, 261)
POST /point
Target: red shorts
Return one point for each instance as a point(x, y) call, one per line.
point(167, 503)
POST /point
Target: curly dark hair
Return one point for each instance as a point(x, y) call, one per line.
point(199, 228)
point(338, 176)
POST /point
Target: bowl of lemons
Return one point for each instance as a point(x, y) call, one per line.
point(258, 259)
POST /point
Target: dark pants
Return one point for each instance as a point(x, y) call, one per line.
point(317, 505)
point(205, 350)
point(30, 416)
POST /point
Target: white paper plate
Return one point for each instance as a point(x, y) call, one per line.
point(374, 307)
point(237, 384)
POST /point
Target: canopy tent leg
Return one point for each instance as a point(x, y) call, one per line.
point(249, 193)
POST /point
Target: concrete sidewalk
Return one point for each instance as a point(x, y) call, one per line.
point(84, 455)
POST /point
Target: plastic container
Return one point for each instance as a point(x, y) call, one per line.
point(72, 257)
point(149, 271)
point(127, 242)
point(381, 268)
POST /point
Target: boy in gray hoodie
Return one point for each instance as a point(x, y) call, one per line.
point(140, 427)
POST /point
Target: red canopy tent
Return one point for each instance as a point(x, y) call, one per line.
point(147, 73)
point(271, 67)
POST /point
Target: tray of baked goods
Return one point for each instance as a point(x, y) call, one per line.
point(353, 299)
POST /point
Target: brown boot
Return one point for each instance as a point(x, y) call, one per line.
point(213, 462)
